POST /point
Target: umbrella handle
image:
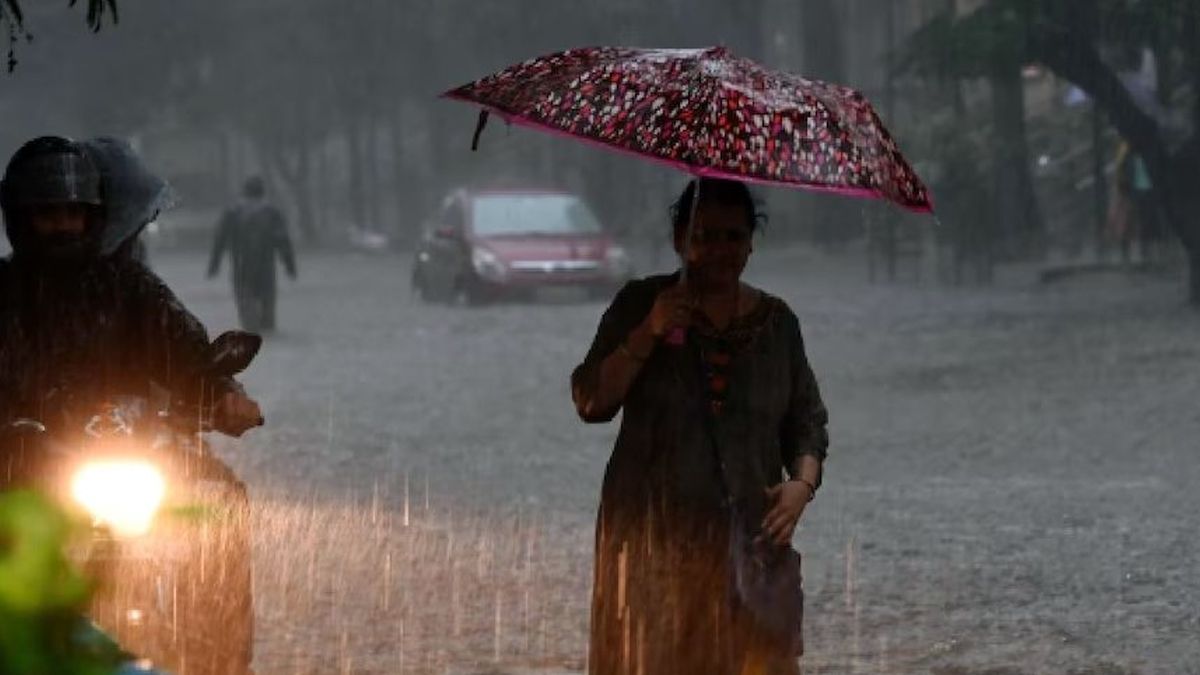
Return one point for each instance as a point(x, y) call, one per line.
point(677, 336)
point(483, 119)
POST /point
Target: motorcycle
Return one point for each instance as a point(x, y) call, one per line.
point(169, 545)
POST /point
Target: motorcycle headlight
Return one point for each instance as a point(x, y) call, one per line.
point(487, 264)
point(125, 495)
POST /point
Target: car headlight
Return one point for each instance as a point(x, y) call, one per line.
point(487, 264)
point(125, 495)
point(617, 259)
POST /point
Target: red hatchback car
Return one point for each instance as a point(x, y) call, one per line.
point(486, 245)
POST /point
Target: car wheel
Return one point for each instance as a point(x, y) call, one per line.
point(467, 293)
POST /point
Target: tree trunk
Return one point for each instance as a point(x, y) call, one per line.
point(370, 151)
point(408, 219)
point(1099, 180)
point(301, 180)
point(1180, 195)
point(1194, 278)
point(444, 141)
point(322, 191)
point(354, 158)
point(297, 176)
point(1191, 28)
point(958, 100)
point(1019, 222)
point(303, 193)
point(1188, 226)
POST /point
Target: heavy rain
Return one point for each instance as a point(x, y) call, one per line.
point(1011, 380)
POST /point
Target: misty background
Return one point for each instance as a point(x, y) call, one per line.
point(336, 104)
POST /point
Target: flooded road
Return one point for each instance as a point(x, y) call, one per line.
point(1010, 488)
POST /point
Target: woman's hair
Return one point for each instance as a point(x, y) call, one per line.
point(715, 191)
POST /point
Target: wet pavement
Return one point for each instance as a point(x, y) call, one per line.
point(1011, 485)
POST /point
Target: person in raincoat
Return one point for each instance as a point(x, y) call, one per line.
point(707, 426)
point(255, 232)
point(80, 321)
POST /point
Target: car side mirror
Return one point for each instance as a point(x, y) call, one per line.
point(445, 232)
point(232, 352)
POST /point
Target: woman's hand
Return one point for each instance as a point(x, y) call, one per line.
point(786, 504)
point(672, 309)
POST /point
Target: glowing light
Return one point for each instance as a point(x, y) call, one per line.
point(124, 495)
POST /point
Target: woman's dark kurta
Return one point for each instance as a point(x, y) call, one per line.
point(660, 601)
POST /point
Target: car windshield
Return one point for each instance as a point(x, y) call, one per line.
point(532, 214)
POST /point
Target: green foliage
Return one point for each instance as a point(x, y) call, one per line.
point(35, 575)
point(974, 45)
point(42, 596)
point(1001, 31)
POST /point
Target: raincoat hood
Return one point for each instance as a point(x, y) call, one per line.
point(133, 195)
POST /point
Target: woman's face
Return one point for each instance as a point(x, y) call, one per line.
point(720, 246)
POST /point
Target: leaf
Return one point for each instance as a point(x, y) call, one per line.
point(14, 8)
point(96, 10)
point(41, 595)
point(35, 575)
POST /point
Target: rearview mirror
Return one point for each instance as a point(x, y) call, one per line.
point(232, 352)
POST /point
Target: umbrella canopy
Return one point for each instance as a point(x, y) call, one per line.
point(710, 113)
point(133, 195)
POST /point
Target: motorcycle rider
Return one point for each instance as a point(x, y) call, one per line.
point(77, 324)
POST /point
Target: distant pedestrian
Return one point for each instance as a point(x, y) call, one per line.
point(1134, 213)
point(255, 232)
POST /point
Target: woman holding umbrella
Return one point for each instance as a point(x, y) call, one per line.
point(693, 569)
point(709, 429)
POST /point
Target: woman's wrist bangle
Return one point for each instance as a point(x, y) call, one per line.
point(812, 489)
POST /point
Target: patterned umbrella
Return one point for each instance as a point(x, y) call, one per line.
point(709, 113)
